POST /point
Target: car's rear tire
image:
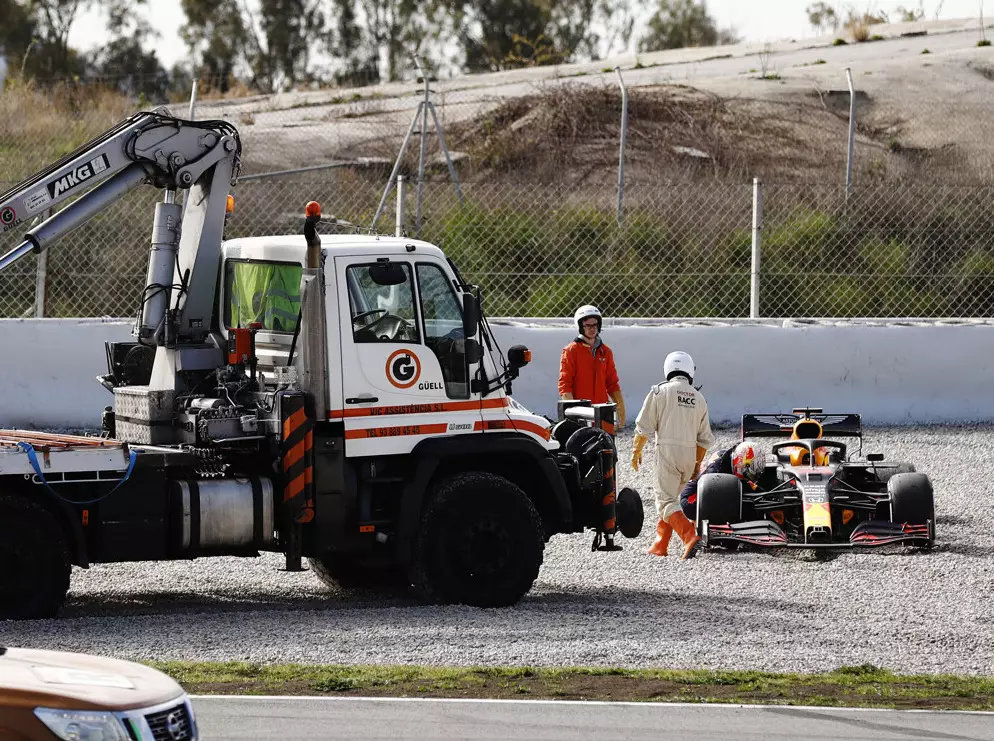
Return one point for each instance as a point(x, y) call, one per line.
point(888, 471)
point(34, 561)
point(719, 499)
point(912, 502)
point(480, 543)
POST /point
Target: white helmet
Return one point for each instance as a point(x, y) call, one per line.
point(585, 312)
point(679, 364)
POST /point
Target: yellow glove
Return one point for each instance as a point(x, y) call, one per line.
point(640, 441)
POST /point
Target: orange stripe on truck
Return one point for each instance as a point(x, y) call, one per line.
point(450, 406)
point(399, 431)
point(295, 487)
point(296, 453)
point(514, 424)
point(294, 421)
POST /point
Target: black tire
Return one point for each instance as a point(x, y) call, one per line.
point(480, 542)
point(719, 499)
point(345, 572)
point(586, 443)
point(912, 500)
point(630, 513)
point(886, 472)
point(34, 561)
point(562, 430)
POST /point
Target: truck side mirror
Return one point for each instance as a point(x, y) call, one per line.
point(875, 457)
point(470, 315)
point(474, 352)
point(518, 356)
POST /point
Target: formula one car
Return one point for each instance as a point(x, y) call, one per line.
point(814, 493)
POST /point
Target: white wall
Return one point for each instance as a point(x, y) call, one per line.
point(48, 369)
point(889, 374)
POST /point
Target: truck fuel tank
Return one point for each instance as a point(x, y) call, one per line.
point(218, 516)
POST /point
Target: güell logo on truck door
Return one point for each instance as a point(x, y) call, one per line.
point(403, 369)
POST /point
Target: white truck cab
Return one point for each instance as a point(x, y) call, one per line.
point(398, 367)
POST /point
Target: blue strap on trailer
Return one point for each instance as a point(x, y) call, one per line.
point(33, 458)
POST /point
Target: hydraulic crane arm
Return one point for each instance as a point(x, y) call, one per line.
point(149, 147)
point(154, 148)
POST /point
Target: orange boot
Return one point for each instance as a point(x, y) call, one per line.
point(687, 532)
point(663, 532)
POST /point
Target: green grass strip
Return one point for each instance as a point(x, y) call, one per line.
point(855, 686)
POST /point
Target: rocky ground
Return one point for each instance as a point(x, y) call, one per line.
point(900, 609)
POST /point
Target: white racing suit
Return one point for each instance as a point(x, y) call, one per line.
point(678, 415)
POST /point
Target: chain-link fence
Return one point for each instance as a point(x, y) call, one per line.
point(538, 223)
point(681, 250)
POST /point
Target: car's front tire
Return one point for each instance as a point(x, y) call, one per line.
point(719, 499)
point(912, 502)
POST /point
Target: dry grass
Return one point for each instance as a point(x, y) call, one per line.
point(570, 134)
point(39, 125)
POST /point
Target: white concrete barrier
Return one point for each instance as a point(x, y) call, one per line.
point(925, 372)
point(48, 369)
point(889, 373)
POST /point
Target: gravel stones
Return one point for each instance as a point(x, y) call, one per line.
point(897, 608)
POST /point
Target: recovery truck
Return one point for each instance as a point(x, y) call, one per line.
point(334, 397)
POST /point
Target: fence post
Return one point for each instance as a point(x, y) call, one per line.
point(193, 100)
point(41, 279)
point(624, 133)
point(424, 142)
point(401, 192)
point(852, 131)
point(757, 227)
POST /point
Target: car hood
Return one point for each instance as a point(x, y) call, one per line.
point(57, 679)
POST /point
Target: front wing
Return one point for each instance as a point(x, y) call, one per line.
point(768, 534)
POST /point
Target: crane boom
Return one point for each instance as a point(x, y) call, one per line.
point(171, 152)
point(151, 147)
point(200, 158)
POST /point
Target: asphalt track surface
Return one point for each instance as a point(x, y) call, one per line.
point(898, 608)
point(290, 719)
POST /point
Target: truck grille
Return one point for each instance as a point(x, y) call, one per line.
point(172, 724)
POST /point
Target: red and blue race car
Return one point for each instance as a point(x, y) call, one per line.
point(816, 493)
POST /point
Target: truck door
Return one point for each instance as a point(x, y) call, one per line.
point(404, 370)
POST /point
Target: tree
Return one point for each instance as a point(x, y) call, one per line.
point(822, 17)
point(347, 42)
point(124, 59)
point(618, 21)
point(489, 30)
point(134, 71)
point(912, 15)
point(677, 24)
point(16, 35)
point(281, 42)
point(593, 29)
point(51, 57)
point(216, 34)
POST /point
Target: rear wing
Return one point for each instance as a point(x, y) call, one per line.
point(782, 425)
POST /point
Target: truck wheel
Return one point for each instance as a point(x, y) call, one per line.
point(480, 543)
point(719, 499)
point(912, 501)
point(34, 561)
point(345, 572)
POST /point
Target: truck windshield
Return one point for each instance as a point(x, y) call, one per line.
point(265, 292)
